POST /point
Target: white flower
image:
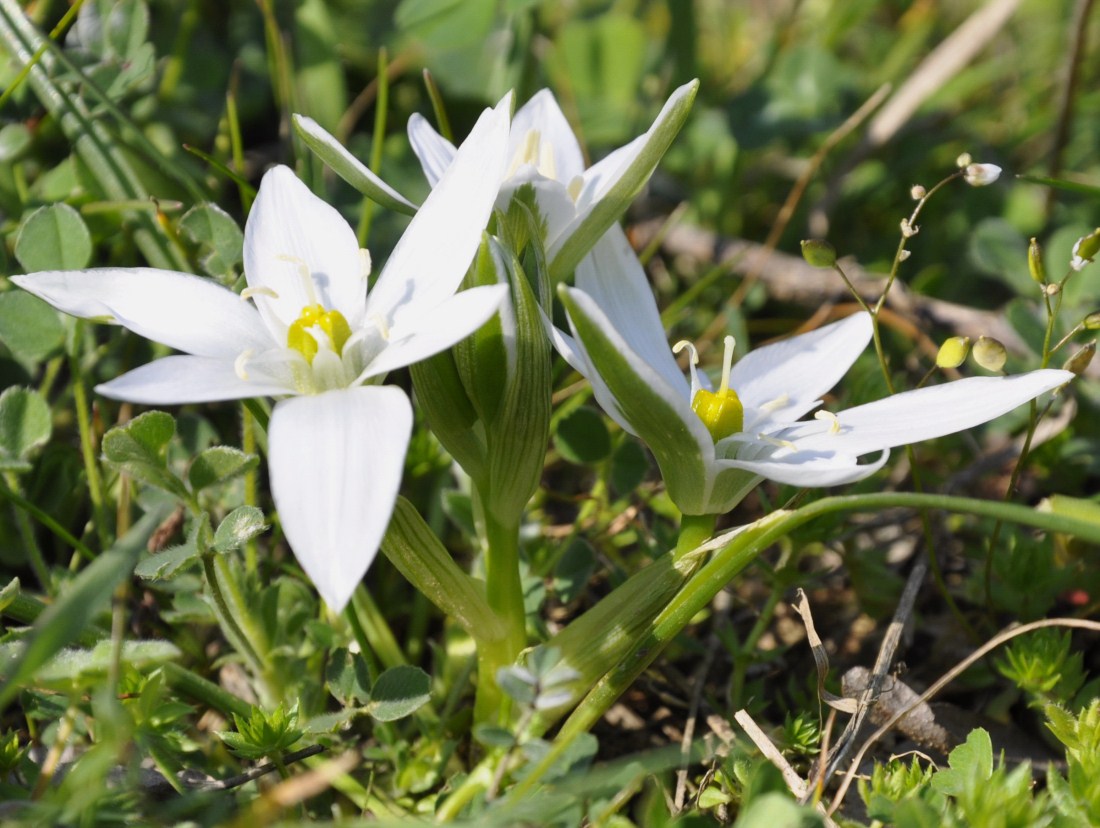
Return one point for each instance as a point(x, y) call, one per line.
point(544, 153)
point(305, 331)
point(1085, 250)
point(714, 447)
point(979, 175)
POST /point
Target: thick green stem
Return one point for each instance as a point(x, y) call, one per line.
point(228, 618)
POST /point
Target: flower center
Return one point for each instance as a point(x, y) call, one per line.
point(315, 327)
point(721, 411)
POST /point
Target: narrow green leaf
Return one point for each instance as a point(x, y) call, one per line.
point(9, 593)
point(653, 416)
point(89, 593)
point(53, 238)
point(579, 239)
point(345, 165)
point(399, 692)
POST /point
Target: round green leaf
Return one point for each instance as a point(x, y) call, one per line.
point(582, 437)
point(629, 465)
point(24, 425)
point(53, 238)
point(398, 692)
point(239, 526)
point(30, 328)
point(14, 139)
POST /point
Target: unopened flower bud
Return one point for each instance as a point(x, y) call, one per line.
point(953, 352)
point(1035, 262)
point(1085, 250)
point(1080, 360)
point(905, 254)
point(918, 192)
point(963, 160)
point(1091, 322)
point(979, 175)
point(1052, 289)
point(818, 252)
point(989, 353)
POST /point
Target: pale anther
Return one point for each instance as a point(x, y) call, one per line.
point(834, 422)
point(259, 290)
point(681, 345)
point(240, 362)
point(774, 405)
point(304, 274)
point(364, 263)
point(574, 187)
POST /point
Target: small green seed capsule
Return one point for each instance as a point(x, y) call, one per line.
point(1080, 360)
point(818, 252)
point(953, 352)
point(989, 353)
point(1035, 262)
point(1091, 322)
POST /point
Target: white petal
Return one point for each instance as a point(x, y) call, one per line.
point(800, 369)
point(573, 352)
point(291, 232)
point(555, 206)
point(175, 380)
point(348, 167)
point(674, 390)
point(434, 152)
point(335, 462)
point(432, 256)
point(808, 469)
point(437, 329)
point(925, 413)
point(543, 115)
point(185, 312)
point(612, 275)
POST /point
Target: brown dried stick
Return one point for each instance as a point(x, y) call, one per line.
point(947, 678)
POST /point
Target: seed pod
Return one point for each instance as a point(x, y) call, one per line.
point(1091, 322)
point(1035, 262)
point(1080, 360)
point(989, 353)
point(953, 352)
point(818, 252)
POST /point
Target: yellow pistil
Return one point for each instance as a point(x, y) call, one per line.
point(721, 411)
point(299, 335)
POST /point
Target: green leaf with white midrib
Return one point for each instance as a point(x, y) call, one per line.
point(611, 207)
point(651, 414)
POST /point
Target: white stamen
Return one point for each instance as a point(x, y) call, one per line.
point(574, 187)
point(260, 290)
point(364, 263)
point(681, 345)
point(833, 420)
point(727, 364)
point(774, 405)
point(380, 323)
point(305, 275)
point(240, 362)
